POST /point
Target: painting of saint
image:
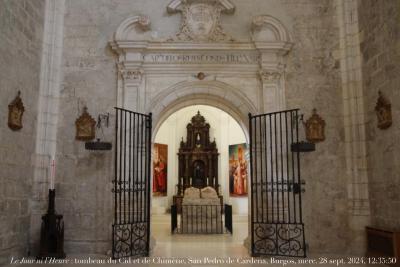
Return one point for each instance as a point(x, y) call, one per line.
point(238, 177)
point(160, 162)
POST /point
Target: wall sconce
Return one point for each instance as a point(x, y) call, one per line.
point(102, 120)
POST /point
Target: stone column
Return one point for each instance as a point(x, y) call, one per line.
point(48, 113)
point(354, 123)
point(131, 83)
point(272, 91)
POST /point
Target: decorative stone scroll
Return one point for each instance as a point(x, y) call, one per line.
point(201, 20)
point(266, 28)
point(141, 21)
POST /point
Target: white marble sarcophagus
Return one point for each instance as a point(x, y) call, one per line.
point(201, 212)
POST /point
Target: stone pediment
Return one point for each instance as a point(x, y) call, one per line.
point(200, 44)
point(201, 20)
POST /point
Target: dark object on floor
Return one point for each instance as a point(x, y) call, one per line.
point(383, 243)
point(52, 232)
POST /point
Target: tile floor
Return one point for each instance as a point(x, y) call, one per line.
point(201, 250)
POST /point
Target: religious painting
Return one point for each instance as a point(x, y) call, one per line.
point(15, 111)
point(85, 127)
point(160, 161)
point(315, 128)
point(238, 176)
point(383, 111)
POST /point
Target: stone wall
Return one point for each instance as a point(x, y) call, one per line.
point(380, 47)
point(313, 81)
point(21, 30)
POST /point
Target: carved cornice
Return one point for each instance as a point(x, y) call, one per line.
point(270, 76)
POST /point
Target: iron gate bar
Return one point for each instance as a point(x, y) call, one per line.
point(277, 227)
point(131, 227)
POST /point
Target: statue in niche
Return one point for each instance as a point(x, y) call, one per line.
point(85, 126)
point(315, 128)
point(15, 111)
point(198, 173)
point(198, 139)
point(383, 111)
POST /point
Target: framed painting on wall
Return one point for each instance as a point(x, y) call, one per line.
point(160, 171)
point(238, 177)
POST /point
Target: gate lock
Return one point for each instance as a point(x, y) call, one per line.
point(296, 187)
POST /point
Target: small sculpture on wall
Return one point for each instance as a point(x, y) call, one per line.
point(383, 111)
point(85, 127)
point(15, 111)
point(315, 128)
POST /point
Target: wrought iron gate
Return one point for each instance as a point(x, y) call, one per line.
point(131, 227)
point(276, 212)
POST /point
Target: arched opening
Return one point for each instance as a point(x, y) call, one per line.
point(229, 134)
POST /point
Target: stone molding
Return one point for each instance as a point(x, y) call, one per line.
point(218, 88)
point(128, 24)
point(270, 23)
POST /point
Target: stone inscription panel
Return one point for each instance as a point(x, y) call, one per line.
point(205, 58)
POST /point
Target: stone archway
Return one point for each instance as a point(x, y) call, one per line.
point(160, 75)
point(212, 93)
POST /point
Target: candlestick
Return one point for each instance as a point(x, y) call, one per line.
point(214, 181)
point(52, 173)
point(190, 181)
point(208, 182)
